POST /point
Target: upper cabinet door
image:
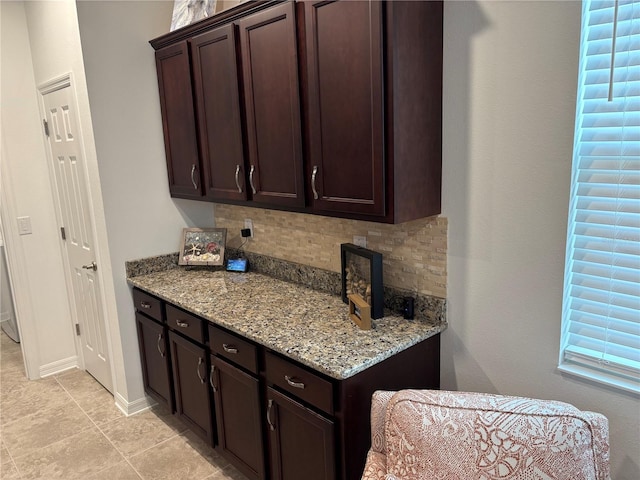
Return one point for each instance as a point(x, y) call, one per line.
point(270, 75)
point(345, 106)
point(178, 121)
point(215, 79)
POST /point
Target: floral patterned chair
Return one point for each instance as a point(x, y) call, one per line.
point(430, 434)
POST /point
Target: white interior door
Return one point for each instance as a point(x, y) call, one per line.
point(77, 230)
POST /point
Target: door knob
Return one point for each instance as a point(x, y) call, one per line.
point(92, 266)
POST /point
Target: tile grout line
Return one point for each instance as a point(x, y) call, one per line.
point(95, 425)
point(219, 472)
point(73, 400)
point(124, 457)
point(4, 425)
point(13, 462)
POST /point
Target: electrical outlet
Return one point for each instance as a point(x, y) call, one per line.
point(24, 225)
point(248, 223)
point(360, 240)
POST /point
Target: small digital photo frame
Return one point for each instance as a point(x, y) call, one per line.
point(237, 265)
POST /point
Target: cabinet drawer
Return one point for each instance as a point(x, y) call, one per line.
point(300, 382)
point(145, 303)
point(233, 348)
point(185, 323)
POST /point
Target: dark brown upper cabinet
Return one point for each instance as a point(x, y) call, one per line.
point(345, 106)
point(374, 108)
point(272, 101)
point(178, 121)
point(215, 80)
point(326, 107)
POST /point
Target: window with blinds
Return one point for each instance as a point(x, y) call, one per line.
point(601, 308)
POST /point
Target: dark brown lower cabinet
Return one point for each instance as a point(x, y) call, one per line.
point(237, 405)
point(192, 392)
point(154, 355)
point(275, 419)
point(301, 442)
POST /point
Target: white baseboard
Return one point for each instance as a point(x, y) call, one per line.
point(136, 406)
point(58, 366)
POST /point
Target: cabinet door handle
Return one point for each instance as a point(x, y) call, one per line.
point(200, 362)
point(253, 188)
point(145, 305)
point(159, 349)
point(271, 425)
point(182, 323)
point(238, 179)
point(229, 348)
point(293, 383)
point(213, 369)
point(193, 180)
point(313, 182)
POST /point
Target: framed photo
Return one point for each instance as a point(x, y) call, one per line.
point(202, 246)
point(362, 277)
point(359, 311)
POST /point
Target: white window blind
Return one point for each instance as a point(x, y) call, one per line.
point(601, 308)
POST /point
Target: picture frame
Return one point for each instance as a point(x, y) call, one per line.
point(202, 246)
point(359, 311)
point(362, 275)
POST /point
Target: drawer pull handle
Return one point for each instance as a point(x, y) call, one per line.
point(200, 362)
point(229, 348)
point(213, 369)
point(145, 305)
point(271, 425)
point(159, 349)
point(238, 179)
point(293, 383)
point(182, 324)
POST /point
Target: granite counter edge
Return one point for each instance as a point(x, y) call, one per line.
point(341, 374)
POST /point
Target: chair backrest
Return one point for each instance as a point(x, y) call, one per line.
point(439, 434)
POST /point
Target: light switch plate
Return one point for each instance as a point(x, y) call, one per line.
point(24, 225)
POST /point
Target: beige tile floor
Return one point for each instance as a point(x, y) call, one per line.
point(67, 427)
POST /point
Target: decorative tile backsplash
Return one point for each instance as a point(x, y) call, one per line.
point(414, 253)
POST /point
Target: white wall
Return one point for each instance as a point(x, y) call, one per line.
point(35, 260)
point(125, 161)
point(510, 73)
point(55, 48)
point(142, 220)
point(509, 100)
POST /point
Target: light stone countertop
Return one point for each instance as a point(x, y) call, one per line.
point(306, 325)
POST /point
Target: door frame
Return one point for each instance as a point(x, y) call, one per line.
point(16, 258)
point(58, 83)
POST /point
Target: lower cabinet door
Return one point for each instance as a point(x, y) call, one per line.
point(301, 442)
point(154, 356)
point(193, 397)
point(237, 403)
